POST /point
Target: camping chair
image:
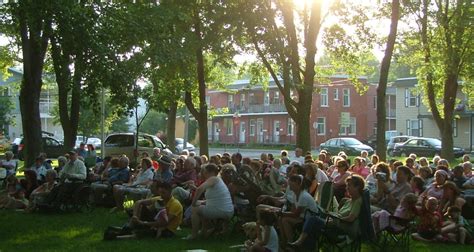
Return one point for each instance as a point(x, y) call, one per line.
point(397, 237)
point(325, 196)
point(365, 233)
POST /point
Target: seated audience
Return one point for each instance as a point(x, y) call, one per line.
point(9, 163)
point(430, 221)
point(267, 240)
point(303, 202)
point(39, 169)
point(15, 195)
point(390, 197)
point(165, 173)
point(217, 203)
point(137, 188)
point(159, 216)
point(406, 210)
point(467, 168)
point(436, 188)
point(339, 183)
point(40, 194)
point(451, 197)
point(347, 222)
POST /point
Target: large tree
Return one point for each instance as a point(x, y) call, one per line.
point(284, 38)
point(29, 22)
point(444, 51)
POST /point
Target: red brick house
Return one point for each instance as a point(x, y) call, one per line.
point(256, 115)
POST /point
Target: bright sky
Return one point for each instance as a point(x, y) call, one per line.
point(380, 26)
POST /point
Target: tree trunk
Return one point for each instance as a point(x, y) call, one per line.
point(34, 30)
point(382, 87)
point(30, 116)
point(303, 131)
point(171, 126)
point(68, 116)
point(199, 113)
point(450, 91)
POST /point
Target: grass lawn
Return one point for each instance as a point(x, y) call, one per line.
point(83, 232)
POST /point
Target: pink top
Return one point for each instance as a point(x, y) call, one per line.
point(361, 170)
point(433, 191)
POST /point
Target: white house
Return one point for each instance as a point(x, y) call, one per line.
point(47, 99)
point(414, 118)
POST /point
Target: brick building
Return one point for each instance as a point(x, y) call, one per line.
point(255, 115)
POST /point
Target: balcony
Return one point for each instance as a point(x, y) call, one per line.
point(260, 108)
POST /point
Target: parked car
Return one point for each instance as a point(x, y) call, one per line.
point(180, 146)
point(124, 143)
point(51, 146)
point(79, 140)
point(350, 146)
point(395, 141)
point(423, 146)
point(94, 141)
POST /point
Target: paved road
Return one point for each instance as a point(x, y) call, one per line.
point(252, 153)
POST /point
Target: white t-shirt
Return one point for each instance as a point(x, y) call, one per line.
point(299, 159)
point(272, 244)
point(144, 176)
point(321, 176)
point(306, 201)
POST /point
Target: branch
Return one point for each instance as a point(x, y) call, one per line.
point(188, 100)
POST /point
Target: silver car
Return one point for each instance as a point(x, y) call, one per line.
point(124, 144)
point(180, 146)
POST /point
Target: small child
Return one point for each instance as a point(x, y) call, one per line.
point(429, 227)
point(406, 211)
point(267, 240)
point(453, 227)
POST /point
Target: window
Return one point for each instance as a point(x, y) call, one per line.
point(336, 94)
point(411, 98)
point(321, 126)
point(208, 101)
point(230, 101)
point(350, 129)
point(252, 99)
point(291, 127)
point(276, 97)
point(324, 97)
point(209, 130)
point(146, 142)
point(229, 126)
point(242, 100)
point(119, 141)
point(252, 127)
point(346, 102)
point(415, 127)
point(375, 102)
point(455, 128)
point(266, 98)
point(51, 142)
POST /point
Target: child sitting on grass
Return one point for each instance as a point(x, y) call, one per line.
point(267, 240)
point(406, 211)
point(454, 226)
point(430, 221)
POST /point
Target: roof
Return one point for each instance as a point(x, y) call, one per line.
point(405, 82)
point(16, 76)
point(245, 83)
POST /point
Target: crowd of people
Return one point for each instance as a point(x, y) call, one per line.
point(279, 193)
